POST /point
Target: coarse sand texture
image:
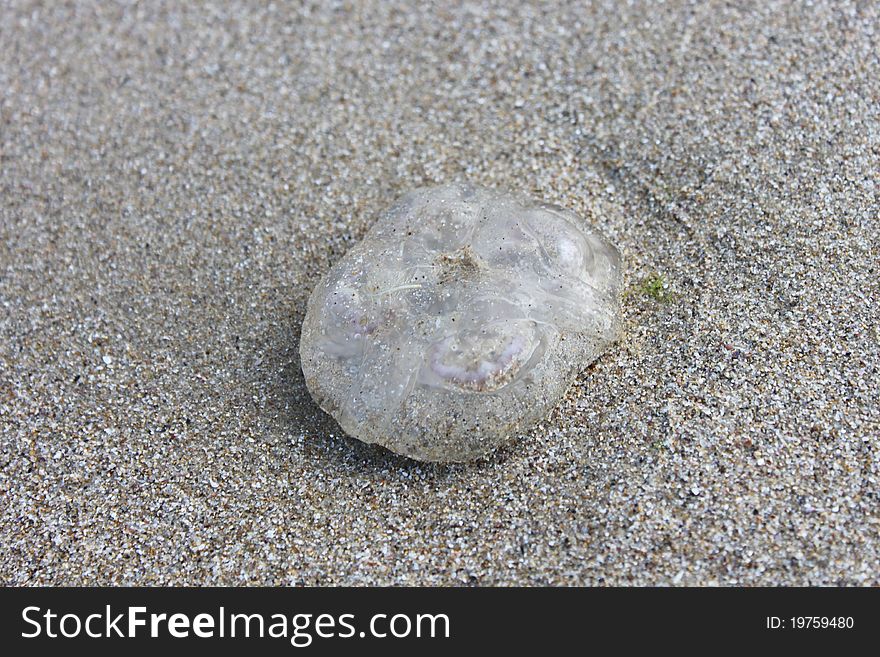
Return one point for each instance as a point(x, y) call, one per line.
point(177, 178)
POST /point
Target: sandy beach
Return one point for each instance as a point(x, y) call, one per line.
point(176, 179)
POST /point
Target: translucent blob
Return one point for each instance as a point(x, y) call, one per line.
point(459, 320)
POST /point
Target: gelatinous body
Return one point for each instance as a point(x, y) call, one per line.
point(460, 319)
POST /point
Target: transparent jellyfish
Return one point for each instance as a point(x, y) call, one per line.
point(459, 320)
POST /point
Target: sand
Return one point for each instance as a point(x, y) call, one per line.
point(175, 180)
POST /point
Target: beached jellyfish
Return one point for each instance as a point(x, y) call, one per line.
point(459, 320)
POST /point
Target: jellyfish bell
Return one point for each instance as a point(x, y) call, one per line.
point(459, 320)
